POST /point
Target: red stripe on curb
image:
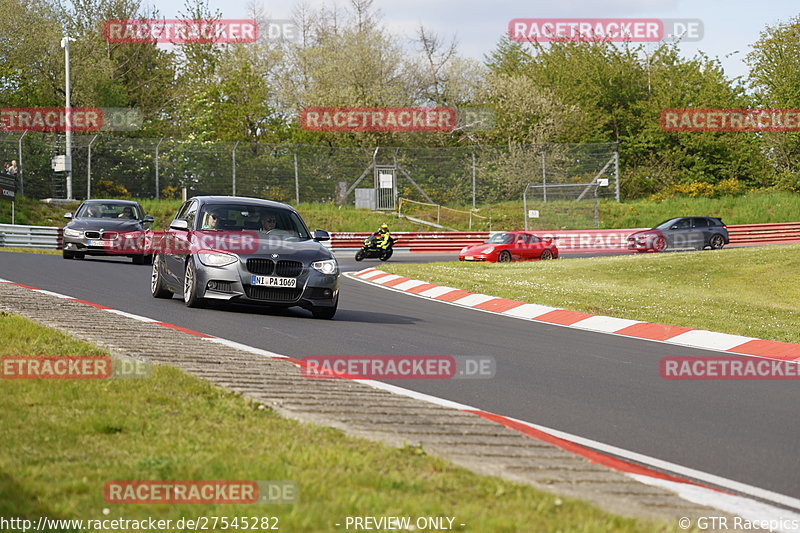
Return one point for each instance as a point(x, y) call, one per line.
point(564, 317)
point(422, 288)
point(367, 271)
point(376, 278)
point(591, 455)
point(774, 349)
point(656, 332)
point(397, 281)
point(452, 296)
point(499, 305)
point(184, 330)
point(25, 286)
point(97, 306)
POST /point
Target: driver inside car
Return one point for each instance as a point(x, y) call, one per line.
point(213, 219)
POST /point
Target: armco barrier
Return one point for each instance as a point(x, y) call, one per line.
point(570, 241)
point(45, 237)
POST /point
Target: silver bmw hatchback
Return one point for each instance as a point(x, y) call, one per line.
point(245, 250)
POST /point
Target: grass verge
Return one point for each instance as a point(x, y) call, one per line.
point(63, 439)
point(752, 208)
point(30, 250)
point(744, 291)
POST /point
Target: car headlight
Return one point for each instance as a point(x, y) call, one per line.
point(72, 232)
point(488, 250)
point(217, 259)
point(464, 250)
point(326, 267)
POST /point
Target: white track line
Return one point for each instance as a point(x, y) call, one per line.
point(707, 497)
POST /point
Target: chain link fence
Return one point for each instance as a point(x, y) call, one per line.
point(148, 168)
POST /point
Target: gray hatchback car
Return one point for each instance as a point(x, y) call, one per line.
point(245, 250)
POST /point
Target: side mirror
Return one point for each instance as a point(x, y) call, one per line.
point(68, 214)
point(149, 219)
point(321, 235)
point(179, 224)
point(674, 227)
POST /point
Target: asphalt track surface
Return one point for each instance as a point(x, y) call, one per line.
point(598, 386)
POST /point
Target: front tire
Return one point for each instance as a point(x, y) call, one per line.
point(157, 287)
point(504, 257)
point(190, 297)
point(139, 260)
point(660, 244)
point(359, 255)
point(67, 255)
point(716, 241)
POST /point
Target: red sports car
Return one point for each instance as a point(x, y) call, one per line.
point(510, 246)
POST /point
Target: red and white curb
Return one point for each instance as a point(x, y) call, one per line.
point(693, 338)
point(685, 482)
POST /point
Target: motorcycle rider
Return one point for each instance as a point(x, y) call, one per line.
point(383, 239)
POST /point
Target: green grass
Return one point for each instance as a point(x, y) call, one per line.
point(753, 208)
point(326, 216)
point(63, 439)
point(30, 250)
point(745, 291)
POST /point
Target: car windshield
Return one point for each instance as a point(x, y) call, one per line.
point(109, 210)
point(666, 224)
point(500, 238)
point(271, 221)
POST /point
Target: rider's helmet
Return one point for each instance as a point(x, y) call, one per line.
point(384, 228)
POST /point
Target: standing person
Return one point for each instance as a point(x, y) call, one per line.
point(13, 170)
point(5, 167)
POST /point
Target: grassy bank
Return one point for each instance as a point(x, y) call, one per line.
point(63, 439)
point(325, 216)
point(753, 208)
point(744, 291)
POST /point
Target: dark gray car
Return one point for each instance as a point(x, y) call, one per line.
point(682, 233)
point(245, 250)
point(98, 223)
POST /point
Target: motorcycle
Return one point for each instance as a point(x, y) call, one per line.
point(370, 249)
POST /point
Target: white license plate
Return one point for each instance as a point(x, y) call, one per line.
point(469, 258)
point(272, 281)
point(100, 243)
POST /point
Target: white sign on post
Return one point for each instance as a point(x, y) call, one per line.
point(61, 163)
point(603, 182)
point(386, 180)
point(533, 213)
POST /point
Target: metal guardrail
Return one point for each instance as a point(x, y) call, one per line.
point(49, 237)
point(44, 237)
point(571, 240)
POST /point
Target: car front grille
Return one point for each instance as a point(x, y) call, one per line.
point(92, 234)
point(289, 269)
point(271, 293)
point(263, 267)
